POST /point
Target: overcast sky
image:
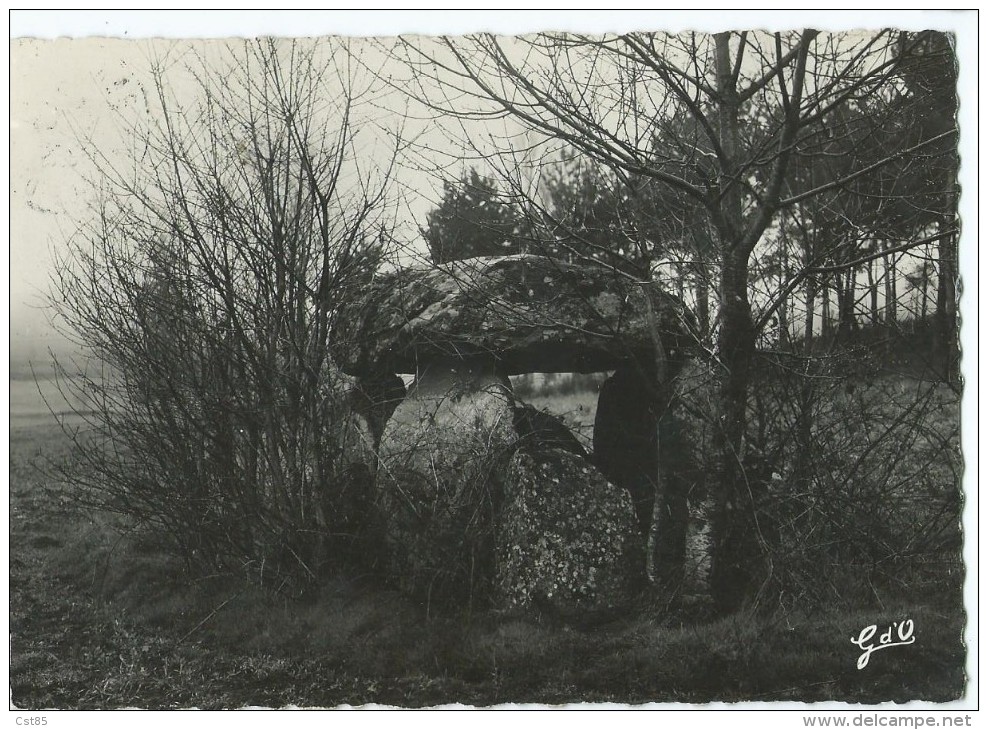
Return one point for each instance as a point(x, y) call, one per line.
point(64, 89)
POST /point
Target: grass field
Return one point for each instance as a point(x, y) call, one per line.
point(102, 618)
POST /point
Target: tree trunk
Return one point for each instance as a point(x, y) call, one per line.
point(891, 290)
point(845, 302)
point(784, 326)
point(811, 292)
point(784, 310)
point(732, 524)
point(947, 303)
point(702, 301)
point(664, 552)
point(728, 506)
point(924, 285)
point(873, 293)
point(810, 307)
point(839, 290)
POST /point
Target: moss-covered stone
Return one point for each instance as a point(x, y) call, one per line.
point(530, 313)
point(541, 430)
point(567, 541)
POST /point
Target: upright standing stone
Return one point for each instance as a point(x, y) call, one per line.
point(442, 457)
point(567, 544)
point(632, 443)
point(541, 431)
point(693, 391)
point(624, 443)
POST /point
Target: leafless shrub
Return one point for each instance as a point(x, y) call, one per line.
point(856, 481)
point(205, 288)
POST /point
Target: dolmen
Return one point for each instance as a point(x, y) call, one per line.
point(482, 498)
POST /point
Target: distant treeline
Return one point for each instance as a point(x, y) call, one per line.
point(34, 357)
point(31, 370)
point(907, 348)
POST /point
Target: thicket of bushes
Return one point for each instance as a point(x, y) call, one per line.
point(854, 476)
point(205, 290)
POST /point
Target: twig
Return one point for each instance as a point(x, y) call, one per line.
point(211, 614)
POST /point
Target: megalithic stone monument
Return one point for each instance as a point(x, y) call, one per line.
point(472, 509)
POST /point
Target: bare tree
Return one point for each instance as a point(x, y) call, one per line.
point(757, 103)
point(206, 288)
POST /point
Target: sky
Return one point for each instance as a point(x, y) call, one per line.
point(67, 90)
point(60, 90)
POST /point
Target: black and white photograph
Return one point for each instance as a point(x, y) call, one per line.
point(448, 359)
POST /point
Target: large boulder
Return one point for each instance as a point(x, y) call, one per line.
point(624, 439)
point(567, 543)
point(530, 313)
point(631, 452)
point(540, 430)
point(375, 397)
point(441, 461)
